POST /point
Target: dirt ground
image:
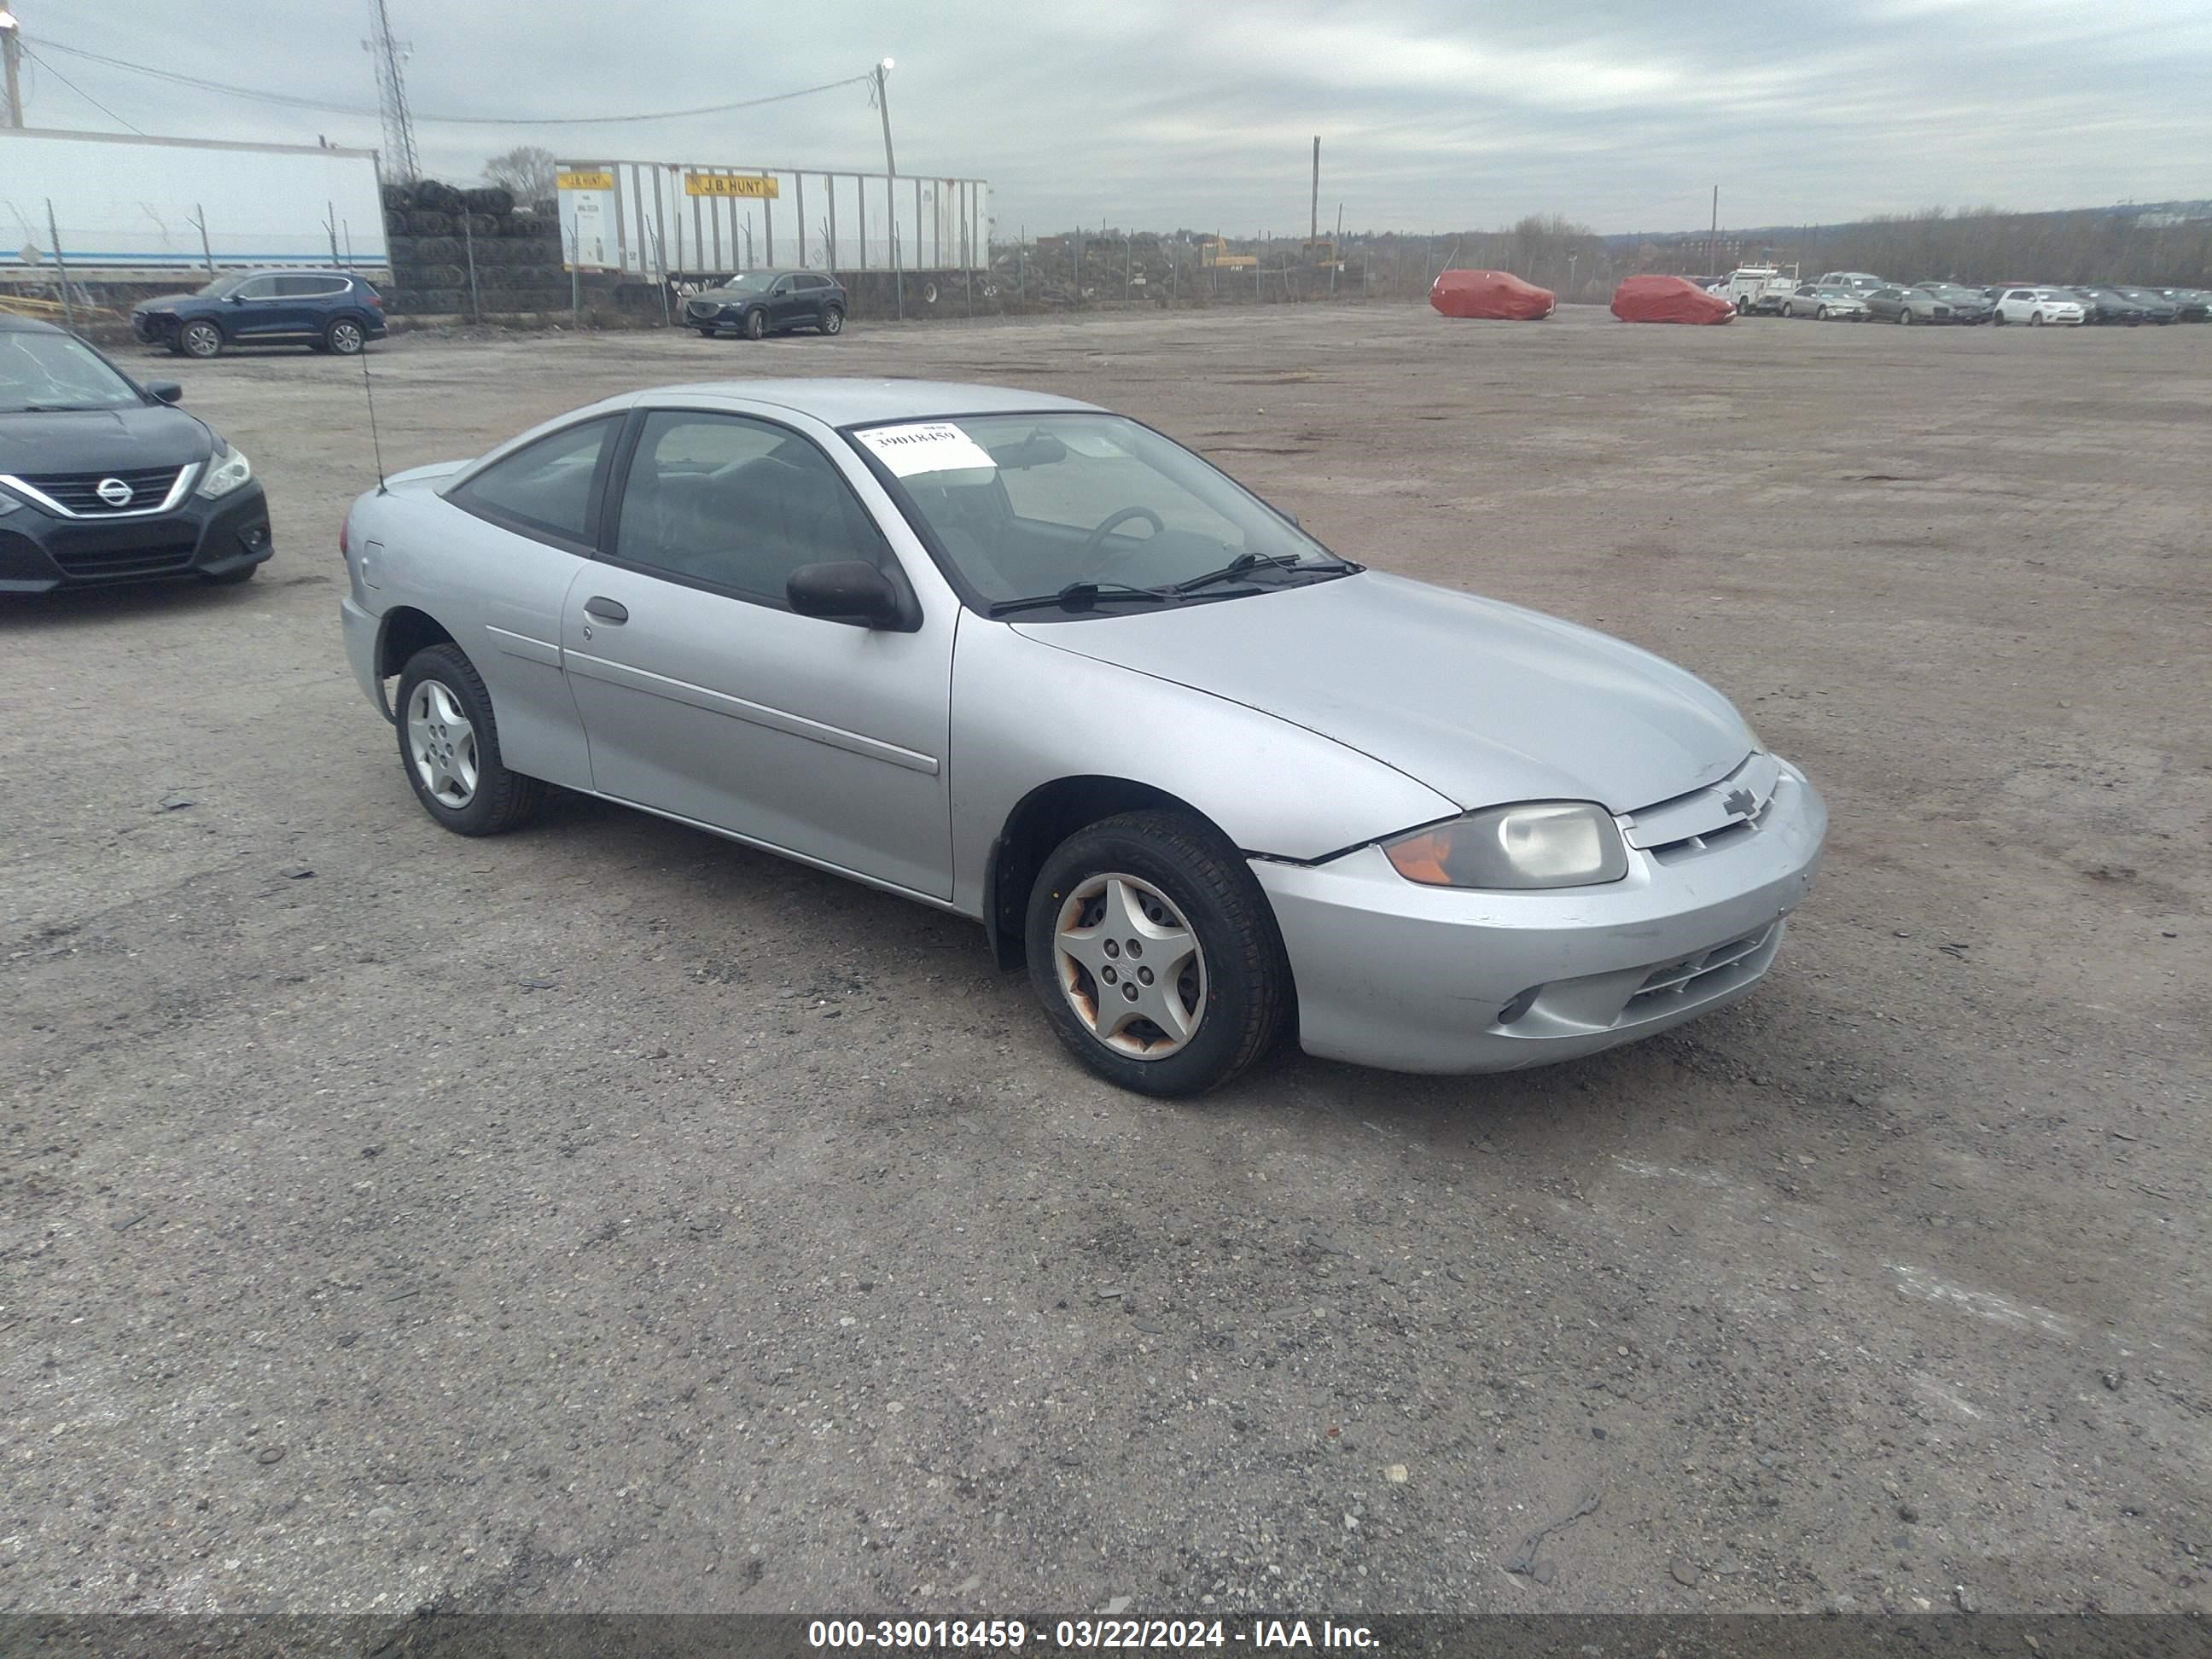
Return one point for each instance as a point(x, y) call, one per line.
point(609, 1217)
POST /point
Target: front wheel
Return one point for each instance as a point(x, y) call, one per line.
point(2035, 320)
point(756, 325)
point(200, 339)
point(449, 746)
point(1905, 316)
point(1821, 315)
point(1155, 954)
point(1996, 319)
point(833, 320)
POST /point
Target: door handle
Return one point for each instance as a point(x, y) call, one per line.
point(606, 610)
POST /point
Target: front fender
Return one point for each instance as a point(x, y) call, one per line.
point(1025, 713)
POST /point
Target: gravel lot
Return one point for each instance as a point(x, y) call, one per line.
point(608, 1217)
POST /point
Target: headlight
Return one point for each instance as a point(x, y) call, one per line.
point(1544, 843)
point(225, 473)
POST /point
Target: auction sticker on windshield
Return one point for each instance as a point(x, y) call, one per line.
point(926, 447)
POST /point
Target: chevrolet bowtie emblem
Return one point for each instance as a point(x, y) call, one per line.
point(1741, 802)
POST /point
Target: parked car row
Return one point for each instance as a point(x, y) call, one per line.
point(1860, 297)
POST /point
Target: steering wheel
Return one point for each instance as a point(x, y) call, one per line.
point(1099, 536)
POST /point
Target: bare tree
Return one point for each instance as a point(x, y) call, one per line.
point(527, 172)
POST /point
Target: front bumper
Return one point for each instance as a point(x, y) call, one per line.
point(39, 552)
point(1410, 978)
point(156, 327)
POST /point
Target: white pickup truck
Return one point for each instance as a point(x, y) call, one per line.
point(1759, 288)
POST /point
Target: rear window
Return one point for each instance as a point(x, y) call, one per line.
point(549, 488)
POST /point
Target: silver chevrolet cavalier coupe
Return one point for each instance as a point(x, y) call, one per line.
point(1031, 662)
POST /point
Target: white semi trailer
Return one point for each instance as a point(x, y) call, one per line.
point(130, 209)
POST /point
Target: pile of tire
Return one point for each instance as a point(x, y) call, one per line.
point(438, 231)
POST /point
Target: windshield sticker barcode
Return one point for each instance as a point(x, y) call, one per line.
point(926, 447)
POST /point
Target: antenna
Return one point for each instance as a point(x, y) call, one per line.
point(391, 56)
point(375, 441)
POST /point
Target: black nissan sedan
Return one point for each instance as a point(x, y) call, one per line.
point(101, 481)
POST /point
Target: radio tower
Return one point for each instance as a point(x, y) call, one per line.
point(400, 165)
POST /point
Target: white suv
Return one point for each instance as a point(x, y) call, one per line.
point(2038, 305)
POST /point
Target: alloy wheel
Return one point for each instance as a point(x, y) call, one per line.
point(442, 745)
point(1130, 966)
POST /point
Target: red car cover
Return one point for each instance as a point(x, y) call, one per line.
point(1490, 294)
point(1669, 300)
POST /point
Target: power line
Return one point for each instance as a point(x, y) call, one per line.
point(81, 92)
point(327, 108)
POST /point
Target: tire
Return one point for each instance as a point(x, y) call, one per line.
point(1821, 315)
point(200, 338)
point(2035, 320)
point(1996, 319)
point(495, 800)
point(755, 324)
point(346, 337)
point(1905, 316)
point(1185, 878)
point(833, 320)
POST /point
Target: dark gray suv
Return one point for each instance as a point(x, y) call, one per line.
point(328, 310)
point(754, 303)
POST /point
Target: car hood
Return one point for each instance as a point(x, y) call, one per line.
point(1483, 701)
point(164, 302)
point(94, 440)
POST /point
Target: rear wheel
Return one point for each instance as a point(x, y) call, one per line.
point(1155, 954)
point(345, 337)
point(449, 746)
point(833, 320)
point(200, 338)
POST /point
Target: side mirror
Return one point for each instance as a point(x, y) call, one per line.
point(164, 392)
point(1285, 513)
point(847, 591)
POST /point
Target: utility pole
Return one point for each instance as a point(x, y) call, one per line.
point(392, 99)
point(1313, 222)
point(11, 49)
point(890, 189)
point(1713, 240)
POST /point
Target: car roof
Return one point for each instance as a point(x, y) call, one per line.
point(12, 324)
point(837, 401)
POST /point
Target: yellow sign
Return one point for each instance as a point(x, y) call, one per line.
point(730, 184)
point(585, 181)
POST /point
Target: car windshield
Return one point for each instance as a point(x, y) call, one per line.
point(749, 282)
point(1033, 505)
point(217, 289)
point(48, 373)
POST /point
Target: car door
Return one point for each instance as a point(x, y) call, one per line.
point(257, 309)
point(705, 696)
point(785, 302)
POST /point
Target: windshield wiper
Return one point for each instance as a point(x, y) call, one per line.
point(1245, 564)
point(1081, 595)
point(61, 408)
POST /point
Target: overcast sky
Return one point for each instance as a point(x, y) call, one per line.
point(1159, 113)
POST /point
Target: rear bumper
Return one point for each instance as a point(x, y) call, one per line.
point(39, 552)
point(363, 632)
point(1410, 978)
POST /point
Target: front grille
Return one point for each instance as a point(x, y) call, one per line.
point(125, 564)
point(79, 492)
point(703, 309)
point(1692, 977)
